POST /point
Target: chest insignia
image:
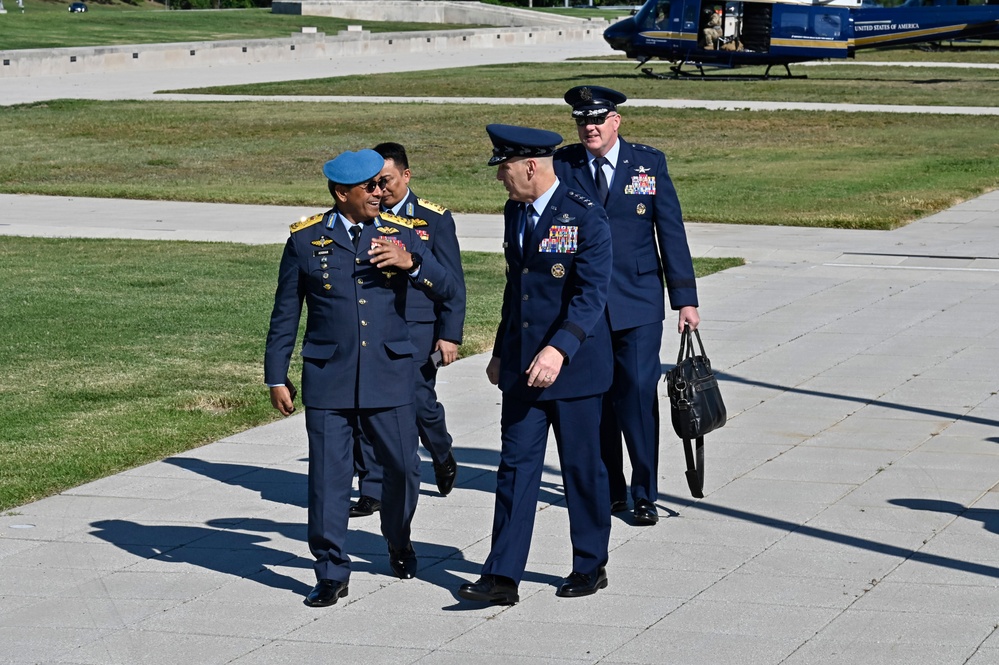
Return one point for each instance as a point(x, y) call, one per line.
point(558, 271)
point(562, 239)
point(394, 241)
point(643, 183)
point(322, 241)
point(423, 234)
point(640, 209)
point(388, 229)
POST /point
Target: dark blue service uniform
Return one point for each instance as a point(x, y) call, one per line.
point(649, 244)
point(429, 319)
point(357, 374)
point(555, 295)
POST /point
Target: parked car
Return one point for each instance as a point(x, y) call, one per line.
point(77, 7)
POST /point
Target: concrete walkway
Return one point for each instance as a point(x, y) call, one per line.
point(851, 513)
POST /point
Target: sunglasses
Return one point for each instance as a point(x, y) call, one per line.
point(595, 120)
point(371, 185)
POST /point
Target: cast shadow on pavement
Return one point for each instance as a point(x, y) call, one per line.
point(947, 415)
point(289, 487)
point(222, 550)
point(988, 517)
point(237, 545)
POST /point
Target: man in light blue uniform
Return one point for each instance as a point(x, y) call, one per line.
point(631, 181)
point(435, 326)
point(552, 360)
point(352, 270)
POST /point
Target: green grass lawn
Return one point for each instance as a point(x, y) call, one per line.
point(850, 170)
point(834, 84)
point(121, 352)
point(50, 25)
point(973, 51)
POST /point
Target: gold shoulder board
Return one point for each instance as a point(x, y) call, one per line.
point(306, 222)
point(396, 219)
point(430, 205)
point(402, 221)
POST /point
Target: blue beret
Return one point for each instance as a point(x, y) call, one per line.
point(589, 101)
point(510, 141)
point(351, 168)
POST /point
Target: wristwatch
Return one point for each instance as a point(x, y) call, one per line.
point(417, 262)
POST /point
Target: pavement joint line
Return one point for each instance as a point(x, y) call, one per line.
point(887, 267)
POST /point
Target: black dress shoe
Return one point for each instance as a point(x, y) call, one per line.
point(365, 506)
point(403, 562)
point(491, 589)
point(446, 474)
point(581, 584)
point(619, 506)
point(326, 593)
point(645, 513)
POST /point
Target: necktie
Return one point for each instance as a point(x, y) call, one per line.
point(355, 234)
point(600, 180)
point(526, 223)
point(529, 220)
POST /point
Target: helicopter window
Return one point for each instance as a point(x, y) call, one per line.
point(662, 15)
point(828, 25)
point(808, 24)
point(690, 16)
point(793, 23)
point(658, 19)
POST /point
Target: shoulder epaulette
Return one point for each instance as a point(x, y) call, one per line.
point(646, 148)
point(402, 221)
point(430, 205)
point(579, 198)
point(306, 222)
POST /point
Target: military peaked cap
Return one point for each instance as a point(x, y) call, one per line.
point(510, 141)
point(591, 101)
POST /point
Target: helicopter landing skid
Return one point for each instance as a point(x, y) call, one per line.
point(678, 74)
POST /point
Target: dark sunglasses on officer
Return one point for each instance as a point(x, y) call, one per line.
point(583, 121)
point(371, 185)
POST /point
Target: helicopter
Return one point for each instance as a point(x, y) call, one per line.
point(724, 34)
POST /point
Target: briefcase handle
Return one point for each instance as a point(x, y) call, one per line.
point(687, 344)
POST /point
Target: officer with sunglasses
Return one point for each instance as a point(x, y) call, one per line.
point(352, 270)
point(649, 242)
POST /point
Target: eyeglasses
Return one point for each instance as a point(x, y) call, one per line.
point(595, 120)
point(371, 185)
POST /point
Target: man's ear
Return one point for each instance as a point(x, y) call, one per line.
point(339, 193)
